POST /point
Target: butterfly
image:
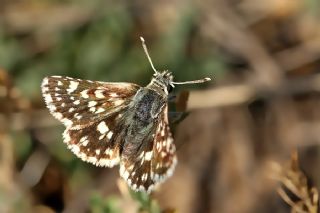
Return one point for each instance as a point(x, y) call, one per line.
point(118, 123)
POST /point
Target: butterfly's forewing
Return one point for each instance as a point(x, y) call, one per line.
point(79, 103)
point(92, 113)
point(155, 162)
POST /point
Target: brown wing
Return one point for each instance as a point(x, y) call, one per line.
point(78, 103)
point(155, 162)
point(98, 143)
point(92, 113)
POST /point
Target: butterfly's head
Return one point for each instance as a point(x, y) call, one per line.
point(162, 80)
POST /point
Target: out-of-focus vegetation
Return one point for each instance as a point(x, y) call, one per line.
point(262, 104)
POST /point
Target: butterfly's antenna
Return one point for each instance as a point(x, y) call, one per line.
point(193, 82)
point(147, 53)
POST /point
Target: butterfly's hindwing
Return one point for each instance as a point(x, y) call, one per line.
point(78, 103)
point(164, 150)
point(98, 143)
point(155, 161)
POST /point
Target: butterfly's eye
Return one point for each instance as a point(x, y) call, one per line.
point(169, 88)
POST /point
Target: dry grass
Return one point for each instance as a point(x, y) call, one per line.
point(295, 181)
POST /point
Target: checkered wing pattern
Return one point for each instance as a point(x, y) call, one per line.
point(92, 113)
point(155, 162)
point(79, 103)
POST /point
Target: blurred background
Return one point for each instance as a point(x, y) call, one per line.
point(234, 148)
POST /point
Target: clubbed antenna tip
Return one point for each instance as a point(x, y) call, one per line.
point(194, 81)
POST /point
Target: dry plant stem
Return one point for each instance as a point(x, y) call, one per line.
point(222, 24)
point(34, 167)
point(128, 205)
point(123, 188)
point(295, 181)
point(292, 58)
point(219, 97)
point(244, 93)
point(286, 198)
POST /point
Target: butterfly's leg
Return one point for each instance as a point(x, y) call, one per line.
point(176, 117)
point(172, 98)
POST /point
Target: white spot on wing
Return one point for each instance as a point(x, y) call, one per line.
point(92, 160)
point(126, 175)
point(84, 94)
point(100, 110)
point(144, 177)
point(148, 156)
point(162, 132)
point(163, 154)
point(134, 186)
point(109, 135)
point(58, 115)
point(99, 93)
point(48, 98)
point(67, 122)
point(66, 137)
point(45, 82)
point(158, 146)
point(113, 95)
point(84, 141)
point(102, 127)
point(52, 108)
point(131, 167)
point(73, 86)
point(118, 102)
point(108, 162)
point(109, 152)
point(75, 149)
point(141, 188)
point(77, 102)
point(92, 103)
point(141, 155)
point(78, 116)
point(45, 89)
